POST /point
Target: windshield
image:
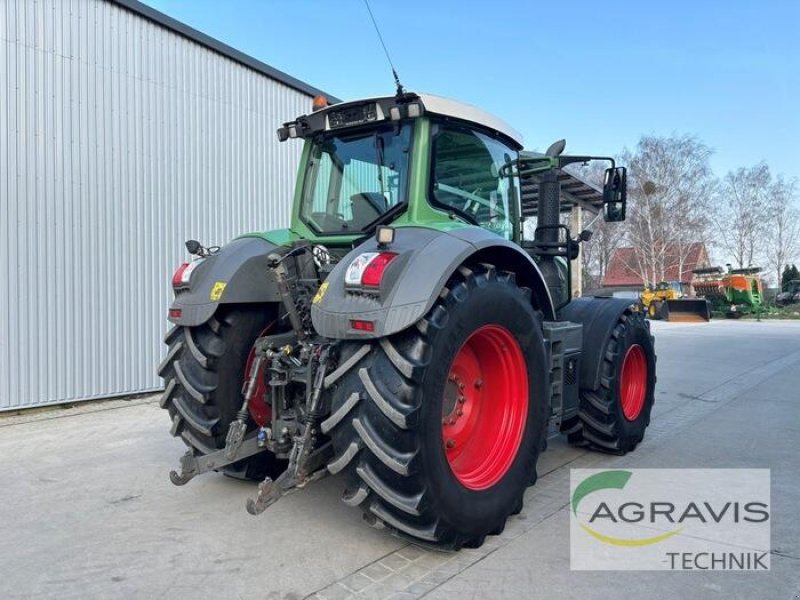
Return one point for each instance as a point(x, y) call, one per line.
point(354, 180)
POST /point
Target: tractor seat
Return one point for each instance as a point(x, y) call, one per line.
point(367, 206)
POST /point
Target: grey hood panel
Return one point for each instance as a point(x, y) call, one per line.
point(412, 282)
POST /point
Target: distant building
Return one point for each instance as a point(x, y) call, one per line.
point(623, 272)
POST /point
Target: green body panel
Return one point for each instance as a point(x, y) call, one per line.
point(747, 298)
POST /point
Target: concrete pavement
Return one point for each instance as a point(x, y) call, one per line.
point(88, 510)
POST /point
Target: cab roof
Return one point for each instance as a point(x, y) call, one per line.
point(467, 112)
point(377, 109)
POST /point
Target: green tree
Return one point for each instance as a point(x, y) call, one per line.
point(785, 276)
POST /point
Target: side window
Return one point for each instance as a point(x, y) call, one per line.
point(466, 177)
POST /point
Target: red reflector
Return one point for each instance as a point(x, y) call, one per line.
point(363, 325)
point(175, 313)
point(177, 277)
point(373, 273)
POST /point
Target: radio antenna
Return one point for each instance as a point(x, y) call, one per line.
point(400, 90)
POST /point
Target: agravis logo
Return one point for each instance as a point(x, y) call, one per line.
point(670, 519)
point(610, 480)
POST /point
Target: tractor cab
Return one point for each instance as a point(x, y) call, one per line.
point(426, 161)
point(409, 159)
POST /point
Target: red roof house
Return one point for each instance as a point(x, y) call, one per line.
point(623, 268)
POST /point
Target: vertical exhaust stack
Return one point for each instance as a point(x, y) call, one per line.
point(547, 231)
point(550, 198)
point(549, 207)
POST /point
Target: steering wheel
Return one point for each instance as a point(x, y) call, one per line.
point(498, 207)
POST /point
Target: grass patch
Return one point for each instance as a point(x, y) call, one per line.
point(777, 312)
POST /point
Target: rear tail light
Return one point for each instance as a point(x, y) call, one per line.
point(358, 325)
point(373, 273)
point(182, 275)
point(367, 269)
point(177, 277)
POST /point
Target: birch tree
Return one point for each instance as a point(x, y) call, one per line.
point(741, 222)
point(782, 225)
point(670, 191)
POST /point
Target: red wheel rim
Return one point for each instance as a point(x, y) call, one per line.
point(633, 382)
point(258, 407)
point(485, 407)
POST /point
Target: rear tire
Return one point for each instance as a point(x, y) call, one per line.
point(387, 414)
point(203, 375)
point(613, 417)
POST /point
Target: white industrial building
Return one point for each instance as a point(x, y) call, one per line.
point(124, 133)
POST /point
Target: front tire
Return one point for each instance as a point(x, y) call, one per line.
point(654, 310)
point(400, 416)
point(203, 374)
point(613, 417)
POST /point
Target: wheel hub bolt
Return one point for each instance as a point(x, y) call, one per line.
point(478, 384)
point(459, 412)
point(450, 443)
point(461, 399)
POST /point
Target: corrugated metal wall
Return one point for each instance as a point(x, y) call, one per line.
point(119, 139)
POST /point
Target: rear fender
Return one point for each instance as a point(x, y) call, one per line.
point(599, 316)
point(237, 274)
point(427, 259)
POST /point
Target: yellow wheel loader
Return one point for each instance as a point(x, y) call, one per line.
point(665, 301)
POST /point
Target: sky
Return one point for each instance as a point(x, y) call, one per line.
point(599, 74)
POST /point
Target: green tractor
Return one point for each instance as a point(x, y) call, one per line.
point(790, 294)
point(401, 332)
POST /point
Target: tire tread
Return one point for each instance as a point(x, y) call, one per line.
point(375, 433)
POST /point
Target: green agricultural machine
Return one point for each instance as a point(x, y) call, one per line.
point(401, 332)
point(790, 294)
point(734, 293)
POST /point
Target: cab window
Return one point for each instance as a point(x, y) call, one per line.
point(467, 177)
point(354, 179)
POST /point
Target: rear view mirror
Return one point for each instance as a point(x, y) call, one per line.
point(615, 194)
